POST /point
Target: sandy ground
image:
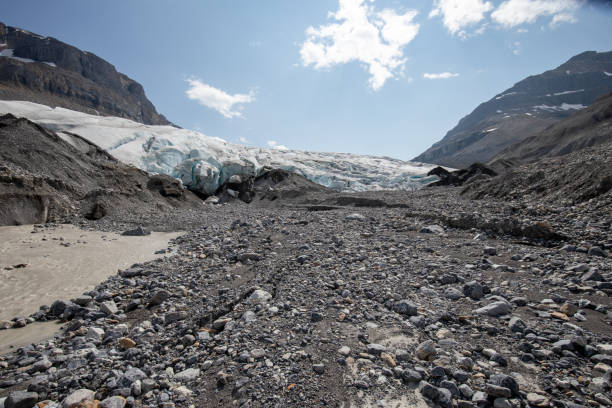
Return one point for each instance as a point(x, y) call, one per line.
point(63, 262)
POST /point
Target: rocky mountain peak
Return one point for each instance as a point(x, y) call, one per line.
point(527, 108)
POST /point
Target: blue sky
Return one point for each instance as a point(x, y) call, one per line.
point(324, 75)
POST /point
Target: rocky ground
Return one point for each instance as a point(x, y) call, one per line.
point(395, 299)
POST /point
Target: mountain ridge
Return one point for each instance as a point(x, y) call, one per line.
point(45, 70)
point(528, 107)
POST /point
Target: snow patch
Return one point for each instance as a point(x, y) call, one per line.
point(607, 73)
point(528, 114)
point(491, 130)
point(8, 53)
point(504, 95)
point(204, 163)
point(568, 92)
point(562, 107)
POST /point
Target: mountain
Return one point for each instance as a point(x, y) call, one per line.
point(526, 109)
point(45, 178)
point(587, 127)
point(205, 163)
point(44, 70)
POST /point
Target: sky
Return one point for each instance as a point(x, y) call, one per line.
point(381, 77)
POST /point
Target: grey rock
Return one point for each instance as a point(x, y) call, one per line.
point(21, 399)
point(78, 396)
point(113, 402)
point(159, 297)
point(405, 307)
point(259, 296)
point(428, 391)
point(189, 374)
point(473, 290)
point(495, 309)
point(109, 307)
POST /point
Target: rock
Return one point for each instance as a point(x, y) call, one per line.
point(113, 402)
point(425, 350)
point(592, 275)
point(83, 300)
point(466, 391)
point(537, 400)
point(109, 307)
point(517, 325)
point(388, 359)
point(260, 296)
point(137, 232)
point(130, 376)
point(495, 309)
point(20, 399)
point(498, 391)
point(453, 293)
point(376, 349)
point(126, 343)
point(428, 391)
point(405, 307)
point(568, 309)
point(74, 399)
point(411, 376)
point(159, 297)
point(58, 307)
point(504, 380)
point(596, 251)
point(187, 375)
point(473, 290)
point(318, 368)
point(604, 349)
point(501, 402)
point(248, 256)
point(432, 229)
point(344, 350)
point(176, 316)
point(490, 251)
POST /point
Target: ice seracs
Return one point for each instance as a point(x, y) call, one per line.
point(203, 163)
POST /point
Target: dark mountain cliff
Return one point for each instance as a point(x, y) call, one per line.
point(47, 71)
point(527, 108)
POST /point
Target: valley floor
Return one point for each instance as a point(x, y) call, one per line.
point(384, 299)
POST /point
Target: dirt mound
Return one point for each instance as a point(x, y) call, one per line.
point(573, 178)
point(271, 185)
point(462, 176)
point(45, 177)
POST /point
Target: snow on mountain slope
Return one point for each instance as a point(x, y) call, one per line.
point(203, 163)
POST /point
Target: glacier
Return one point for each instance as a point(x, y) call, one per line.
point(203, 163)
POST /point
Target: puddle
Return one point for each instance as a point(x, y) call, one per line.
point(12, 339)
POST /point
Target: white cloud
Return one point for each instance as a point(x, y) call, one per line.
point(459, 14)
point(516, 48)
point(243, 139)
point(511, 13)
point(375, 39)
point(213, 98)
point(273, 144)
point(441, 75)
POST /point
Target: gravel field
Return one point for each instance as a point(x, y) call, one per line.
point(384, 299)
